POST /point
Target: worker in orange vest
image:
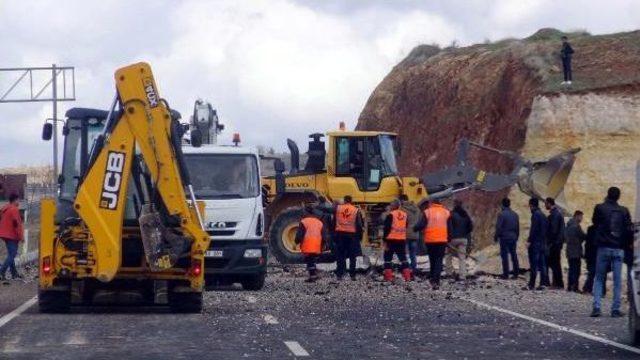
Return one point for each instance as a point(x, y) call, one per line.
point(310, 236)
point(347, 234)
point(436, 226)
point(395, 238)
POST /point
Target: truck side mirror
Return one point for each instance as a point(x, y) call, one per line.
point(47, 131)
point(196, 138)
point(281, 184)
point(278, 166)
point(399, 147)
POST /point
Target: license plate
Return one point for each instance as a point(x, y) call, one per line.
point(213, 253)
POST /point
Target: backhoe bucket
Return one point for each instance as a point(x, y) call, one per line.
point(548, 178)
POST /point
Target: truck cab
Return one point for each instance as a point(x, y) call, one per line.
point(227, 180)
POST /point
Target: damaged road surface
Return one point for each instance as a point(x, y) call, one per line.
point(329, 319)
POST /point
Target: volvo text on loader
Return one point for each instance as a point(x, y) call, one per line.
point(121, 227)
point(363, 164)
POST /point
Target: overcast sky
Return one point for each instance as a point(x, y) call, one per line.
point(273, 69)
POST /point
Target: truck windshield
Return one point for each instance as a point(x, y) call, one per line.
point(223, 176)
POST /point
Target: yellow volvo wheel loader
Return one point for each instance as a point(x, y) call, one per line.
point(121, 227)
point(363, 164)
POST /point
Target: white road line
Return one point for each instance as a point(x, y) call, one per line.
point(15, 313)
point(556, 326)
point(296, 348)
point(270, 319)
point(76, 338)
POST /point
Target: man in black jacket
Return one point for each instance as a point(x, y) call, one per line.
point(507, 234)
point(614, 233)
point(537, 244)
point(565, 54)
point(461, 228)
point(555, 241)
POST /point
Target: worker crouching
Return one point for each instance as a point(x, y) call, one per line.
point(395, 238)
point(310, 235)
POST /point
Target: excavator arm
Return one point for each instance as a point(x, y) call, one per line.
point(140, 138)
point(537, 179)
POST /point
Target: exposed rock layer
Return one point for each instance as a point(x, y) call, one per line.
point(508, 95)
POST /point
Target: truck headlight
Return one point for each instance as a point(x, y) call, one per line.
point(253, 253)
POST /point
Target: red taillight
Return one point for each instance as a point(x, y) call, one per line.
point(196, 268)
point(46, 264)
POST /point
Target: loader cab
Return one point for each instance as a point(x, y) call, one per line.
point(367, 157)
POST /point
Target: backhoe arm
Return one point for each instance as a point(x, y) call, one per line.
point(144, 126)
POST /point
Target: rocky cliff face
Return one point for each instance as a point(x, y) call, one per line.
point(508, 95)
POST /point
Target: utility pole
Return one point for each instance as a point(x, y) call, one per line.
point(54, 99)
point(23, 90)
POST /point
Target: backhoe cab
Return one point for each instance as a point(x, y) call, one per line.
point(121, 227)
point(363, 164)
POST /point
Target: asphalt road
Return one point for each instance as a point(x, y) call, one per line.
point(334, 320)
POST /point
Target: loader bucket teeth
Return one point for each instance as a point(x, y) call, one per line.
point(548, 178)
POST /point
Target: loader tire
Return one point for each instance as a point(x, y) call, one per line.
point(282, 235)
point(185, 302)
point(52, 302)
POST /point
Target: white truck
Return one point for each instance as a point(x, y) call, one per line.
point(227, 179)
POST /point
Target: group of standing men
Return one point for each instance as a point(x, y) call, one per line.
point(404, 225)
point(608, 244)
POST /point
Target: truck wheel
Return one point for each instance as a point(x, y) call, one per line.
point(54, 301)
point(185, 302)
point(634, 321)
point(253, 282)
point(282, 236)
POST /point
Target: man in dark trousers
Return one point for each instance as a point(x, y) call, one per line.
point(436, 226)
point(395, 238)
point(347, 234)
point(614, 233)
point(507, 234)
point(555, 241)
point(537, 245)
point(11, 232)
point(590, 253)
point(310, 236)
point(575, 237)
point(565, 54)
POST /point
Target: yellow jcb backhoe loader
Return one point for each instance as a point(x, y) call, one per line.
point(363, 164)
point(121, 227)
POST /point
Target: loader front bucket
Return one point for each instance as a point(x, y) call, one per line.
point(548, 178)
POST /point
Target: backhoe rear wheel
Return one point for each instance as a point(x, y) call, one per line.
point(282, 236)
point(54, 301)
point(185, 302)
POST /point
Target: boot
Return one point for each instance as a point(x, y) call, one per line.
point(388, 275)
point(406, 274)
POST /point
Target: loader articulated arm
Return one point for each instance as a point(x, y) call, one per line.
point(537, 179)
point(145, 128)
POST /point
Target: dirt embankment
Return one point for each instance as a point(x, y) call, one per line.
point(508, 95)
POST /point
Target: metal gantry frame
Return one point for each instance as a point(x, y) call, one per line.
point(24, 77)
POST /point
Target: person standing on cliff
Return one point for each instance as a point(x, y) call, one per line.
point(565, 54)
